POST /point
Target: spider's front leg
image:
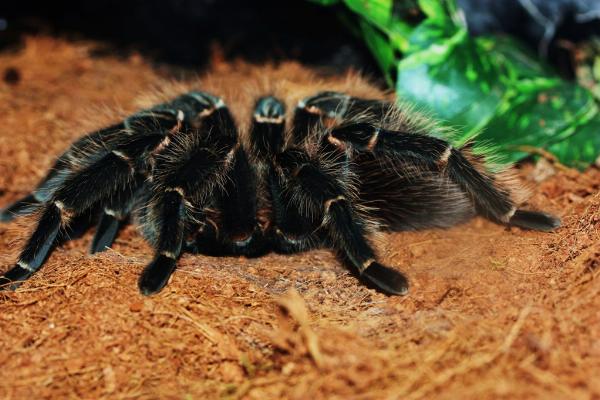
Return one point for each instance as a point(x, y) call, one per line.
point(240, 233)
point(185, 178)
point(234, 227)
point(286, 230)
point(319, 192)
point(169, 119)
point(229, 225)
point(242, 228)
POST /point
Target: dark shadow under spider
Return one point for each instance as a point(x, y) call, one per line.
point(182, 173)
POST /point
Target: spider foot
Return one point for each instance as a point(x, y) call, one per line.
point(13, 278)
point(385, 279)
point(106, 232)
point(156, 275)
point(534, 220)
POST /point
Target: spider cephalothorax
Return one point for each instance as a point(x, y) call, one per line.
point(327, 170)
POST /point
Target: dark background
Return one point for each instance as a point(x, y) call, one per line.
point(184, 32)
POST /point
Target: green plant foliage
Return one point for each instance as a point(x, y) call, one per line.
point(489, 86)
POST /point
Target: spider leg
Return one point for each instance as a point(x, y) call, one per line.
point(324, 107)
point(347, 233)
point(186, 176)
point(236, 231)
point(57, 174)
point(206, 238)
point(103, 171)
point(534, 220)
point(77, 194)
point(311, 111)
point(106, 173)
point(24, 206)
point(291, 231)
point(115, 214)
point(490, 199)
point(76, 227)
point(179, 114)
point(170, 208)
point(287, 230)
point(106, 232)
point(267, 131)
point(323, 198)
point(240, 231)
point(181, 110)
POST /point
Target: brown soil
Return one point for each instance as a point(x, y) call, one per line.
point(492, 312)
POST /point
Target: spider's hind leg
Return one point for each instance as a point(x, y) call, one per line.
point(489, 197)
point(534, 220)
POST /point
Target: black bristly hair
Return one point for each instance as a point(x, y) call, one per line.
point(340, 171)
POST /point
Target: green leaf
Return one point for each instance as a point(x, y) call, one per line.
point(581, 148)
point(427, 34)
point(454, 82)
point(398, 34)
point(494, 88)
point(521, 61)
point(377, 12)
point(539, 116)
point(434, 9)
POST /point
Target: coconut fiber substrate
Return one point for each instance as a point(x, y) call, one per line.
point(493, 312)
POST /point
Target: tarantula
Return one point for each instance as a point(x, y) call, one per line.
point(330, 173)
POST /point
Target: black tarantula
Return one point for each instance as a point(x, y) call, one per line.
point(342, 168)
